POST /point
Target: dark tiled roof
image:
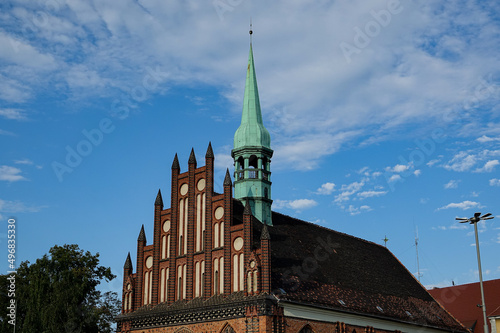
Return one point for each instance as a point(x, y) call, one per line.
point(315, 265)
point(462, 300)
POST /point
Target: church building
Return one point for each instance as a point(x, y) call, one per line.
point(225, 262)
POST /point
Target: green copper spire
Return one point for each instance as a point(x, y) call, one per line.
point(252, 153)
point(251, 131)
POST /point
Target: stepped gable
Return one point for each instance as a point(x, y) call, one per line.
point(319, 266)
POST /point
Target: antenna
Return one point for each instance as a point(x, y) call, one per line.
point(416, 248)
point(385, 240)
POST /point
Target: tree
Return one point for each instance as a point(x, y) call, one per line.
point(58, 293)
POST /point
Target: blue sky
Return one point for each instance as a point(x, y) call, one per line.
point(384, 119)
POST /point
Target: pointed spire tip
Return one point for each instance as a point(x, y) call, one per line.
point(210, 152)
point(159, 200)
point(128, 262)
point(192, 157)
point(175, 163)
point(142, 235)
point(265, 233)
point(248, 209)
point(227, 179)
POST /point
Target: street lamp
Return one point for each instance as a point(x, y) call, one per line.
point(474, 220)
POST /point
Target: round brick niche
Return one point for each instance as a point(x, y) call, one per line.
point(238, 243)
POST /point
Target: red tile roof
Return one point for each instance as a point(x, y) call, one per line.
point(462, 302)
point(319, 266)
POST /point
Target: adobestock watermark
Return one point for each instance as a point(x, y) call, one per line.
point(457, 118)
point(94, 137)
point(363, 37)
point(11, 279)
point(223, 6)
point(292, 277)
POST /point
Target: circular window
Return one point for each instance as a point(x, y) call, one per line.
point(219, 213)
point(201, 185)
point(238, 243)
point(184, 189)
point(166, 226)
point(149, 262)
point(252, 264)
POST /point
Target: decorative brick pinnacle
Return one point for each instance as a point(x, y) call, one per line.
point(159, 200)
point(192, 157)
point(175, 164)
point(265, 233)
point(210, 152)
point(142, 235)
point(128, 262)
point(248, 209)
point(227, 179)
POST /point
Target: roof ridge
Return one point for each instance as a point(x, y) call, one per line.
point(492, 281)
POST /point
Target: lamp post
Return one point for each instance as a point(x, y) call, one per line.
point(474, 220)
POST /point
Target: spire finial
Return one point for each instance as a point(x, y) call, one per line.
point(250, 32)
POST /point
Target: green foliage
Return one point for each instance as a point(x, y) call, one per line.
point(58, 293)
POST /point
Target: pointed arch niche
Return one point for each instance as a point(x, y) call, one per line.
point(227, 329)
point(306, 329)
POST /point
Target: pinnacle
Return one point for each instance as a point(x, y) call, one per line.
point(227, 179)
point(265, 233)
point(142, 235)
point(175, 164)
point(248, 209)
point(128, 262)
point(192, 157)
point(159, 200)
point(210, 152)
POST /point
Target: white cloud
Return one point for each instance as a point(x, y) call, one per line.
point(298, 205)
point(18, 52)
point(464, 205)
point(432, 162)
point(72, 51)
point(488, 166)
point(494, 182)
point(461, 162)
point(10, 174)
point(326, 188)
point(485, 138)
point(304, 153)
point(439, 227)
point(398, 168)
point(417, 173)
point(394, 178)
point(358, 210)
point(13, 114)
point(370, 194)
point(459, 226)
point(24, 161)
point(466, 160)
point(348, 190)
point(7, 206)
point(451, 184)
point(364, 170)
point(3, 132)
